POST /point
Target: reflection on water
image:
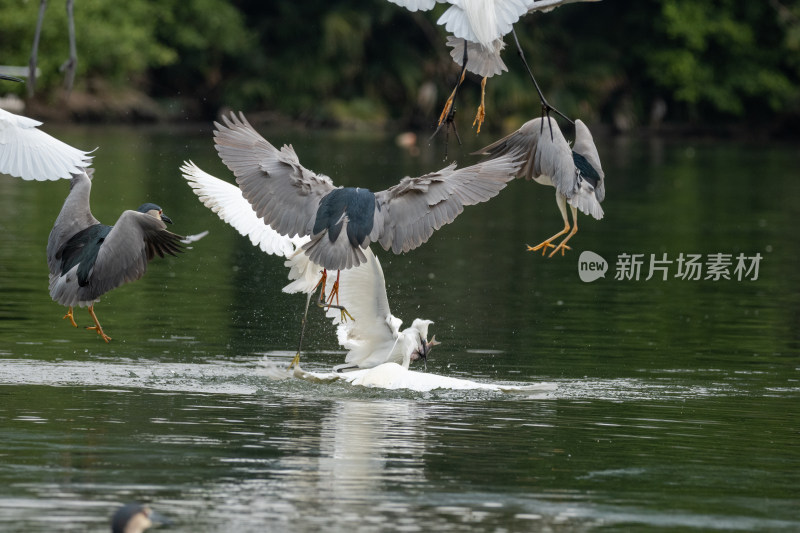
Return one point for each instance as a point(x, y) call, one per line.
point(676, 406)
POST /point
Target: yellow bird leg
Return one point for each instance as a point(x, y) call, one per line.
point(70, 316)
point(481, 114)
point(321, 282)
point(295, 361)
point(335, 295)
point(563, 244)
point(547, 243)
point(345, 315)
point(96, 326)
point(449, 103)
point(334, 291)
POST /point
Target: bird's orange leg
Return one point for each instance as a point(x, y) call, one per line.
point(563, 244)
point(70, 316)
point(335, 294)
point(321, 282)
point(96, 326)
point(561, 201)
point(448, 105)
point(544, 245)
point(481, 114)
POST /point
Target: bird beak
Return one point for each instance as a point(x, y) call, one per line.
point(166, 219)
point(425, 349)
point(158, 518)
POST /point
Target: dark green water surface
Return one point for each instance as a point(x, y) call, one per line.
point(676, 405)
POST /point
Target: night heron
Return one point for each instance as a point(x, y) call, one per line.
point(575, 173)
point(27, 152)
point(135, 518)
point(478, 28)
point(373, 336)
point(343, 221)
point(87, 259)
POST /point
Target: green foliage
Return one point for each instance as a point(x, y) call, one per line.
point(322, 61)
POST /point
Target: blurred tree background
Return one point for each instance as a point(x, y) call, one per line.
point(726, 63)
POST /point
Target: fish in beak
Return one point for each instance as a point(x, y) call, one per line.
point(424, 349)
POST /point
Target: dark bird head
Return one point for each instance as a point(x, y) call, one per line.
point(154, 211)
point(9, 78)
point(135, 518)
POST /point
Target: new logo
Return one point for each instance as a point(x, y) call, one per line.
point(591, 266)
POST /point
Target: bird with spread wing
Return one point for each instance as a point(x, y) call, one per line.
point(87, 259)
point(342, 221)
point(575, 172)
point(374, 336)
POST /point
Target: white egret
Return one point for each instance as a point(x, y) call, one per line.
point(575, 173)
point(478, 28)
point(29, 153)
point(87, 259)
point(343, 221)
point(373, 336)
point(398, 376)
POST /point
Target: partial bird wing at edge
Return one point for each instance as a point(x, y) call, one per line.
point(134, 240)
point(280, 190)
point(409, 213)
point(416, 5)
point(226, 200)
point(27, 152)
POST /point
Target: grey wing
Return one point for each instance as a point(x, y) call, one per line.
point(409, 213)
point(282, 192)
point(584, 145)
point(134, 240)
point(545, 151)
point(74, 216)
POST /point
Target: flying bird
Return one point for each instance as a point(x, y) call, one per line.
point(29, 153)
point(574, 172)
point(373, 336)
point(478, 28)
point(87, 259)
point(342, 221)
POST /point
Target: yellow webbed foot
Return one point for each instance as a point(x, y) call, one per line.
point(71, 317)
point(100, 332)
point(543, 246)
point(563, 247)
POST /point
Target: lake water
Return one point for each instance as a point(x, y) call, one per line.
point(676, 405)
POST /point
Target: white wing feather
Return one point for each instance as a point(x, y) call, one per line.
point(27, 152)
point(226, 200)
point(416, 5)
